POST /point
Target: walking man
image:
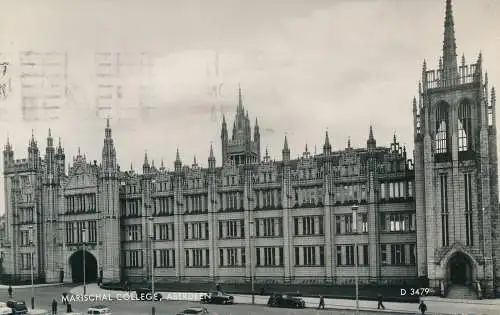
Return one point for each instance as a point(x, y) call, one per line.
point(380, 302)
point(54, 307)
point(321, 302)
point(9, 290)
point(422, 307)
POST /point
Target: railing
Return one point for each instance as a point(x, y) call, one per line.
point(439, 79)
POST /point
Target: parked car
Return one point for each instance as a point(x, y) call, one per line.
point(217, 297)
point(4, 310)
point(194, 311)
point(18, 307)
point(147, 294)
point(286, 300)
point(99, 310)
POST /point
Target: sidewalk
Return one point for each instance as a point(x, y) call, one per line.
point(3, 286)
point(434, 305)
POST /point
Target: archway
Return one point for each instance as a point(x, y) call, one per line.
point(76, 263)
point(460, 269)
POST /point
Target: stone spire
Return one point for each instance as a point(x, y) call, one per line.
point(449, 43)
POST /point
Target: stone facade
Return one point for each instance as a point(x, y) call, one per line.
point(290, 219)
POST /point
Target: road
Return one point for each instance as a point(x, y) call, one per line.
point(44, 297)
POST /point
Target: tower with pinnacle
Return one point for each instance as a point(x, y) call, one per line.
point(109, 209)
point(241, 148)
point(456, 174)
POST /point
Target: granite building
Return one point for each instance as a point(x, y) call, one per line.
point(291, 220)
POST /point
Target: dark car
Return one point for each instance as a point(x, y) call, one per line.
point(286, 300)
point(18, 307)
point(146, 294)
point(217, 297)
point(194, 311)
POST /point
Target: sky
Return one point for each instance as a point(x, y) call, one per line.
point(304, 67)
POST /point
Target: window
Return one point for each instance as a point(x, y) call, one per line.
point(134, 232)
point(410, 189)
point(339, 256)
point(197, 257)
point(231, 229)
point(441, 138)
point(26, 261)
point(164, 231)
point(348, 223)
point(464, 127)
point(309, 253)
point(164, 258)
point(397, 222)
point(383, 254)
point(309, 225)
point(269, 227)
point(25, 238)
point(92, 232)
point(364, 222)
point(469, 233)
point(269, 256)
point(196, 230)
point(398, 254)
point(133, 259)
point(413, 254)
point(349, 255)
point(338, 224)
point(445, 238)
point(365, 255)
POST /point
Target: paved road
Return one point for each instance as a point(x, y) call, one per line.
point(45, 295)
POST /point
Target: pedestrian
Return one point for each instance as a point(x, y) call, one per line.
point(422, 307)
point(10, 291)
point(69, 309)
point(380, 302)
point(64, 299)
point(54, 307)
point(217, 287)
point(321, 302)
point(262, 290)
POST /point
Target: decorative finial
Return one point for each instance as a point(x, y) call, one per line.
point(463, 60)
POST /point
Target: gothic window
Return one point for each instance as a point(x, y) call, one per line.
point(464, 127)
point(441, 128)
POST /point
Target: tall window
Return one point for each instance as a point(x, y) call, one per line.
point(464, 127)
point(468, 210)
point(445, 237)
point(442, 128)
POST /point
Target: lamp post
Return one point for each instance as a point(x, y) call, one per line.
point(252, 271)
point(32, 253)
point(84, 239)
point(356, 258)
point(151, 238)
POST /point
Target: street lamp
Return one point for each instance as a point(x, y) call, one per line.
point(252, 271)
point(32, 253)
point(84, 239)
point(355, 231)
point(151, 237)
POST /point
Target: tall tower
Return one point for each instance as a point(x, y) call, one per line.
point(51, 194)
point(240, 149)
point(456, 172)
point(109, 205)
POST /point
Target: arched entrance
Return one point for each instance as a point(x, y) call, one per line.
point(460, 269)
point(76, 263)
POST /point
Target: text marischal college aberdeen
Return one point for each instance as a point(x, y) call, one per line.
point(433, 218)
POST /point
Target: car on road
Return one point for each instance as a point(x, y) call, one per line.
point(99, 310)
point(286, 300)
point(194, 311)
point(146, 294)
point(217, 297)
point(18, 307)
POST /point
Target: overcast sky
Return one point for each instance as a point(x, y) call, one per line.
point(304, 67)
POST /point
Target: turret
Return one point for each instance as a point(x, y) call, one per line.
point(33, 153)
point(211, 159)
point(145, 165)
point(177, 163)
point(224, 139)
point(256, 137)
point(50, 159)
point(108, 150)
point(60, 159)
point(327, 148)
point(286, 151)
point(8, 154)
point(371, 143)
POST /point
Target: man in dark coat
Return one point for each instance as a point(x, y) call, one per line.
point(321, 302)
point(380, 302)
point(9, 290)
point(54, 307)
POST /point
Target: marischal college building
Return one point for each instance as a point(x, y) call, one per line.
point(434, 217)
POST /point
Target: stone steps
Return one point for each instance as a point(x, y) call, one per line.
point(461, 292)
